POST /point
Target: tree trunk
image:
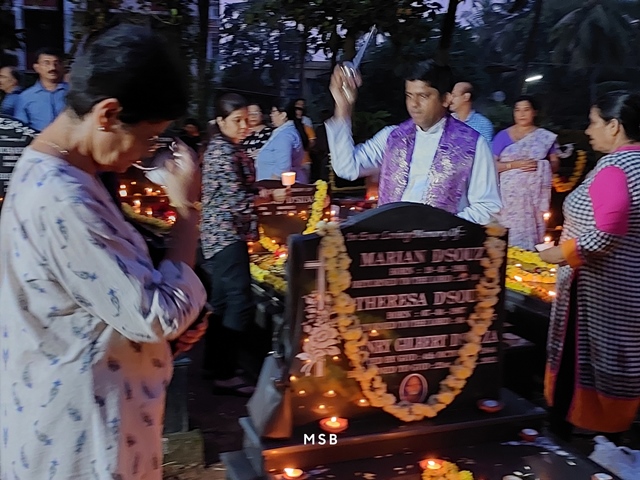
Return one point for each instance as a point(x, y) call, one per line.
point(446, 37)
point(334, 45)
point(349, 47)
point(593, 84)
point(203, 38)
point(530, 47)
point(303, 55)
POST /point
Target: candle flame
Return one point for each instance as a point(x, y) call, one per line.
point(334, 419)
point(552, 293)
point(547, 239)
point(546, 216)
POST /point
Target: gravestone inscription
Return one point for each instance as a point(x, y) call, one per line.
point(414, 277)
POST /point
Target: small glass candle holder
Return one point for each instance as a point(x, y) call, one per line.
point(431, 464)
point(293, 473)
point(334, 424)
point(288, 178)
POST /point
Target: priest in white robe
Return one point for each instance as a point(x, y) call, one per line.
point(432, 158)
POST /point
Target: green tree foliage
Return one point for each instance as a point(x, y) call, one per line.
point(336, 25)
point(592, 37)
point(257, 56)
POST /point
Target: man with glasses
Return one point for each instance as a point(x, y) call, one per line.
point(39, 105)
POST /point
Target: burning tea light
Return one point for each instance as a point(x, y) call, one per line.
point(321, 409)
point(302, 393)
point(431, 464)
point(373, 333)
point(547, 239)
point(552, 293)
point(330, 394)
point(292, 473)
point(288, 178)
point(546, 216)
point(363, 402)
point(336, 358)
point(334, 424)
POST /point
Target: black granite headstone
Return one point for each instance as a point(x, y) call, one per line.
point(414, 275)
point(283, 211)
point(14, 138)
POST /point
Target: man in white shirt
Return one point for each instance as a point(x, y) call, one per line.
point(432, 158)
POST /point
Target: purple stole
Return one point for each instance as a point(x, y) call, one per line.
point(449, 175)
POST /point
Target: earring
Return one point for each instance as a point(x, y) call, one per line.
point(101, 128)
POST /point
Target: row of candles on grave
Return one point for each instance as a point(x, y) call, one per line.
point(431, 464)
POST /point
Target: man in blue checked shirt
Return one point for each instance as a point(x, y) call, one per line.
point(10, 85)
point(462, 108)
point(39, 105)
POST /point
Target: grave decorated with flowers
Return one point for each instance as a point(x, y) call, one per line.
point(389, 357)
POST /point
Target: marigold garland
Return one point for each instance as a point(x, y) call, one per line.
point(317, 210)
point(151, 221)
point(333, 251)
point(576, 175)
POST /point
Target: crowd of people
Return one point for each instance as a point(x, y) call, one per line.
point(90, 323)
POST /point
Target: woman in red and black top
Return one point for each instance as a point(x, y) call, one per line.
point(228, 222)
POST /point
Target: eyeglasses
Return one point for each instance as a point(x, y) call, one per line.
point(159, 151)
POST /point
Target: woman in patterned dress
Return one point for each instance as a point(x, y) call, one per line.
point(593, 367)
point(85, 317)
point(259, 133)
point(229, 220)
point(525, 156)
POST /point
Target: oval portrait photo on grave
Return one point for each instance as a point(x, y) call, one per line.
point(413, 388)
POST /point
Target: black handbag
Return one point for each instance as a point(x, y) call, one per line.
point(270, 406)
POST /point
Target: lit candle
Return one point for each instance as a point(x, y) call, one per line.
point(546, 216)
point(373, 333)
point(123, 193)
point(552, 293)
point(547, 239)
point(302, 393)
point(334, 424)
point(292, 473)
point(431, 464)
point(363, 402)
point(330, 394)
point(288, 178)
point(336, 358)
point(335, 211)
